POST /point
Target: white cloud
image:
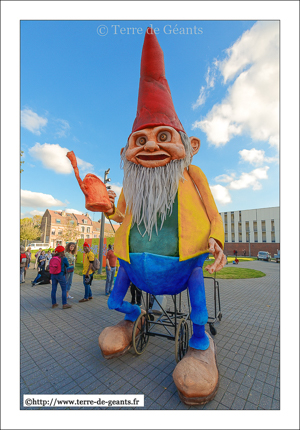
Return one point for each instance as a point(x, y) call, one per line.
point(32, 214)
point(32, 121)
point(201, 99)
point(210, 83)
point(251, 179)
point(64, 127)
point(117, 188)
point(53, 157)
point(221, 194)
point(256, 156)
point(252, 104)
point(38, 200)
point(225, 178)
point(74, 211)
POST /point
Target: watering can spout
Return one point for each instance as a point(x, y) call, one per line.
point(96, 196)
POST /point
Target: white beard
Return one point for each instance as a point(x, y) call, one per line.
point(150, 192)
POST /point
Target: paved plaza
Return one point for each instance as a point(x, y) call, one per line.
point(60, 352)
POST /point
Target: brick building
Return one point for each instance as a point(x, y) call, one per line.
point(252, 230)
point(55, 222)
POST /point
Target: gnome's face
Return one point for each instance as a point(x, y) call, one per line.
point(155, 146)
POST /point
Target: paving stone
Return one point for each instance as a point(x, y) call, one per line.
point(238, 403)
point(227, 400)
point(265, 402)
point(254, 396)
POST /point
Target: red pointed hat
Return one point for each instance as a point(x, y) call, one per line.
point(155, 104)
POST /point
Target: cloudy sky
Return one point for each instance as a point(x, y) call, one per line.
point(79, 85)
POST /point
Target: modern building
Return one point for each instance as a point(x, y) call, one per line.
point(251, 231)
point(55, 223)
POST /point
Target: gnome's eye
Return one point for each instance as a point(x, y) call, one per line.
point(141, 140)
point(164, 136)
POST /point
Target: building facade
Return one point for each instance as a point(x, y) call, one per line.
point(55, 224)
point(251, 231)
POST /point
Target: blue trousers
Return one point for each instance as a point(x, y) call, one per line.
point(109, 279)
point(157, 274)
point(61, 280)
point(69, 279)
point(87, 287)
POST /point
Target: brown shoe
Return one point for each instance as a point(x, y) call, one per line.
point(90, 298)
point(196, 376)
point(55, 305)
point(83, 300)
point(116, 340)
point(67, 306)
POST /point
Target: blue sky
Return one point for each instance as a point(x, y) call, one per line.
point(79, 91)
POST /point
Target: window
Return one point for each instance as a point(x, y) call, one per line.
point(240, 237)
point(255, 237)
point(263, 226)
point(87, 236)
point(232, 237)
point(88, 229)
point(59, 231)
point(95, 235)
point(82, 229)
point(264, 239)
point(53, 231)
point(84, 221)
point(273, 236)
point(72, 222)
point(57, 221)
point(226, 237)
point(82, 236)
point(254, 226)
point(98, 229)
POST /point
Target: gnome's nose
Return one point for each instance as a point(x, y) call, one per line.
point(151, 146)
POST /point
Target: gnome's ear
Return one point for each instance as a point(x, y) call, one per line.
point(122, 149)
point(195, 142)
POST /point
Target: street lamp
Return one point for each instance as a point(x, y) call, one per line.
point(106, 179)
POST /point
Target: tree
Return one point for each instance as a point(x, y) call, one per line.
point(28, 231)
point(69, 231)
point(37, 221)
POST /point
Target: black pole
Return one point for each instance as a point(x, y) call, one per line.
point(106, 179)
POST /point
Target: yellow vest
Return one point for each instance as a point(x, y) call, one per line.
point(198, 218)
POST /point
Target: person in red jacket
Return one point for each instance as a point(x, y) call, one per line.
point(111, 264)
point(23, 262)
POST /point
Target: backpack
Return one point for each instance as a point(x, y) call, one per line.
point(55, 265)
point(96, 265)
point(23, 259)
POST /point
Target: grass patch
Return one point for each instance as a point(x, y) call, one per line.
point(233, 272)
point(79, 267)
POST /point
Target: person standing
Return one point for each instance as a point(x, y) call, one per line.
point(23, 262)
point(48, 258)
point(57, 268)
point(28, 253)
point(70, 253)
point(36, 257)
point(42, 261)
point(136, 293)
point(87, 272)
point(111, 263)
point(28, 258)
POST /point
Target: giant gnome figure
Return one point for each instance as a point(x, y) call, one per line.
point(169, 224)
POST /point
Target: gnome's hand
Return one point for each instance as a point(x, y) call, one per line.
point(220, 257)
point(111, 195)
